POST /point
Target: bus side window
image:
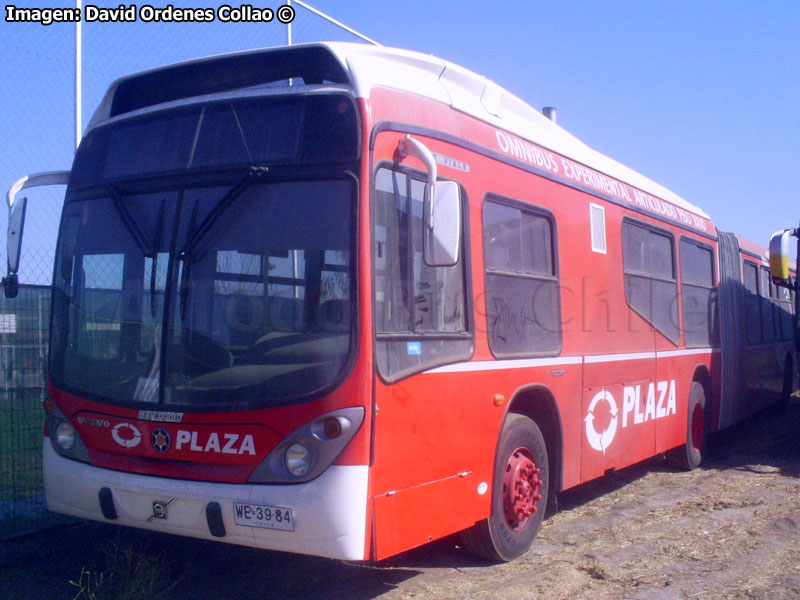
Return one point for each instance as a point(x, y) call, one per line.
point(421, 316)
point(697, 293)
point(651, 288)
point(523, 307)
point(752, 303)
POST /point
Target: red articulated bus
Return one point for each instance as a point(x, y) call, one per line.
point(343, 300)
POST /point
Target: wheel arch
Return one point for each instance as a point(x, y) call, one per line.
point(539, 404)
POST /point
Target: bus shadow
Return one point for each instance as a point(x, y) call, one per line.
point(246, 573)
point(610, 482)
point(224, 571)
point(770, 439)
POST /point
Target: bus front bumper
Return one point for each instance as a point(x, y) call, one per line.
point(328, 514)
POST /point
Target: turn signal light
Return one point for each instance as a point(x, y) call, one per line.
point(333, 428)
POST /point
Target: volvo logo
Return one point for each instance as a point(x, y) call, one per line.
point(160, 509)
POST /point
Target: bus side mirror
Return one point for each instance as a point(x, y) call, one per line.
point(441, 209)
point(779, 257)
point(16, 223)
point(11, 285)
point(442, 224)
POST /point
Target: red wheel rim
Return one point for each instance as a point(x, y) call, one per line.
point(698, 428)
point(521, 485)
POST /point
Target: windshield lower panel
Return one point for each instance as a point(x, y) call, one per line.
point(195, 297)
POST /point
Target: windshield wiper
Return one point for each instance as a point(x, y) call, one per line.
point(253, 175)
point(127, 219)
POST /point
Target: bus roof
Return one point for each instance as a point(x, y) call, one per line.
point(363, 67)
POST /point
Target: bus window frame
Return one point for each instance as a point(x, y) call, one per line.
point(465, 260)
point(629, 221)
point(713, 331)
point(538, 211)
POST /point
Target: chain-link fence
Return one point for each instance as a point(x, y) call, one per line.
point(38, 124)
point(23, 351)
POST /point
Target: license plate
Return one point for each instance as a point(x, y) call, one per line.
point(267, 517)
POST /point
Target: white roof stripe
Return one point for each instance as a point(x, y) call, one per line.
point(468, 92)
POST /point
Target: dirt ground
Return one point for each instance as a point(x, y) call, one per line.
point(730, 529)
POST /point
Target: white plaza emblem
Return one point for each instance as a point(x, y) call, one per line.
point(602, 440)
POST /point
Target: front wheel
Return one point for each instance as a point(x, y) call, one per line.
point(519, 494)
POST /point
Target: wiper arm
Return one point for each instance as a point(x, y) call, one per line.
point(127, 219)
point(253, 175)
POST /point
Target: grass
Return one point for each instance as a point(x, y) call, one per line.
point(96, 561)
point(130, 570)
point(21, 487)
point(21, 418)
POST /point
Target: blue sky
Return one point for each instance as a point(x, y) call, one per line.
point(701, 96)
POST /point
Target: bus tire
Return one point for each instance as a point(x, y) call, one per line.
point(519, 494)
point(689, 456)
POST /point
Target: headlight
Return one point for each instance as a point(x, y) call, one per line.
point(65, 435)
point(298, 459)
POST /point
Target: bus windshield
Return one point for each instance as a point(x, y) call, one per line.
point(228, 294)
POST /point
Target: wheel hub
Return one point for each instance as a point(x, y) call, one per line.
point(521, 485)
